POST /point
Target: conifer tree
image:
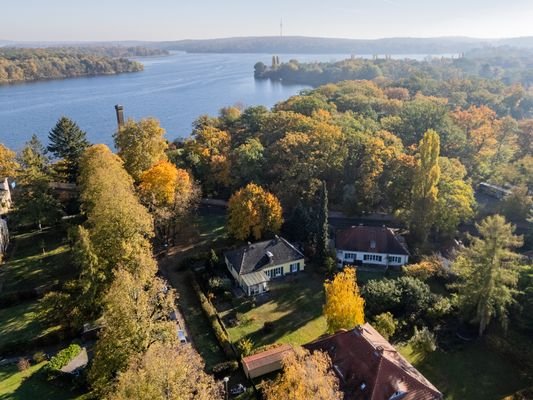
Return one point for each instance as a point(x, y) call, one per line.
point(68, 142)
point(488, 272)
point(322, 232)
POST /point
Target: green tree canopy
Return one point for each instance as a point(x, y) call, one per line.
point(68, 142)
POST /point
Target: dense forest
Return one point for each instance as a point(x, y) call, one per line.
point(17, 65)
point(509, 65)
point(364, 139)
point(310, 45)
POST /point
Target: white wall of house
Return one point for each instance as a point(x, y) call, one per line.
point(292, 267)
point(274, 271)
point(347, 256)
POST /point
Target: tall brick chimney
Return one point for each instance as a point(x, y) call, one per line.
point(120, 115)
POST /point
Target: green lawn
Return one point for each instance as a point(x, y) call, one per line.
point(472, 373)
point(29, 267)
point(294, 306)
point(21, 323)
point(29, 384)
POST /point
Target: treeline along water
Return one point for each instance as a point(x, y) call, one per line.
point(176, 89)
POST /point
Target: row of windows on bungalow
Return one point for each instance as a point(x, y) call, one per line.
point(254, 265)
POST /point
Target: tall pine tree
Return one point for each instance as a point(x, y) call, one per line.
point(68, 142)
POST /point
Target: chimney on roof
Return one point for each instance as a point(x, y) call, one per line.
point(120, 115)
point(270, 257)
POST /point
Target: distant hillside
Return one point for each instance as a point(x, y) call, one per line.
point(299, 44)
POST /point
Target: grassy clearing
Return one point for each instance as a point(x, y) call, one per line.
point(472, 373)
point(293, 306)
point(29, 384)
point(21, 323)
point(30, 267)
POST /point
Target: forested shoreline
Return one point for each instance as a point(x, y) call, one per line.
point(21, 65)
point(508, 65)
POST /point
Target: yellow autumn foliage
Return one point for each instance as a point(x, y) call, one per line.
point(161, 183)
point(253, 211)
point(344, 308)
point(305, 376)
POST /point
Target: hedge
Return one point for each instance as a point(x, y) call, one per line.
point(62, 358)
point(212, 316)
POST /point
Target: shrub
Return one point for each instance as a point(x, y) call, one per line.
point(225, 368)
point(39, 357)
point(425, 269)
point(245, 346)
point(441, 308)
point(63, 358)
point(212, 316)
point(423, 341)
point(385, 324)
point(381, 296)
point(23, 364)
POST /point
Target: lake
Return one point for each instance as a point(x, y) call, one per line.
point(175, 89)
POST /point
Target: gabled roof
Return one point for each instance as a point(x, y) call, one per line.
point(266, 358)
point(369, 367)
point(254, 257)
point(370, 239)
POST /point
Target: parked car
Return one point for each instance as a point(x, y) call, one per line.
point(181, 336)
point(238, 389)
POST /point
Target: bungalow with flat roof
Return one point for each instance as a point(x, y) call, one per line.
point(255, 264)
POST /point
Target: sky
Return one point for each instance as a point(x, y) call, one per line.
point(99, 20)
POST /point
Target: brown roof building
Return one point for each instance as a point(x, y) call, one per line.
point(370, 245)
point(265, 362)
point(370, 368)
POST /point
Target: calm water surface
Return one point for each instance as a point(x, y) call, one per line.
point(176, 89)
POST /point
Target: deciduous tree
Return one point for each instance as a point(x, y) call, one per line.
point(252, 211)
point(137, 309)
point(425, 190)
point(169, 193)
point(167, 372)
point(141, 145)
point(8, 162)
point(305, 376)
point(344, 308)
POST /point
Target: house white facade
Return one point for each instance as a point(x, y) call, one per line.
point(359, 257)
point(368, 245)
point(255, 265)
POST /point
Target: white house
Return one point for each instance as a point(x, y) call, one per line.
point(254, 265)
point(370, 245)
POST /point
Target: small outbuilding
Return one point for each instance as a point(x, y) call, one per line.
point(265, 362)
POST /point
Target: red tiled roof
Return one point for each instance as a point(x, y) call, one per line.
point(369, 367)
point(267, 357)
point(370, 239)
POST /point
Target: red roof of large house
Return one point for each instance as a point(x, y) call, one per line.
point(370, 239)
point(370, 368)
